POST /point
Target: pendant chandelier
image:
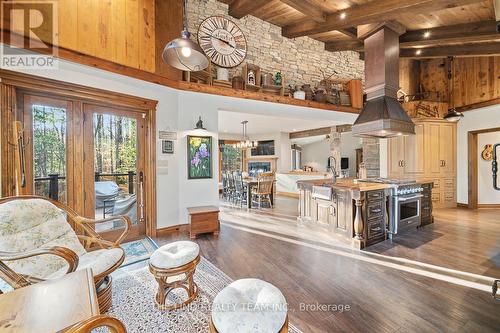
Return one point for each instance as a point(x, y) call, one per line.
point(245, 142)
point(184, 54)
point(453, 115)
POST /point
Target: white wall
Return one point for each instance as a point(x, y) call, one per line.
point(488, 117)
point(486, 194)
point(348, 146)
point(316, 154)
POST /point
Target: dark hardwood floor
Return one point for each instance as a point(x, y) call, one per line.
point(381, 298)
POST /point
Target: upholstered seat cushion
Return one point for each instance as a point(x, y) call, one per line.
point(99, 261)
point(32, 224)
point(174, 255)
point(249, 305)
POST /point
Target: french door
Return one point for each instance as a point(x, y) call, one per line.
point(87, 156)
point(114, 159)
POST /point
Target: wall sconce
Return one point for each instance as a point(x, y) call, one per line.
point(199, 125)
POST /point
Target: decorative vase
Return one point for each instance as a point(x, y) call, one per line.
point(309, 93)
point(319, 96)
point(222, 74)
point(299, 94)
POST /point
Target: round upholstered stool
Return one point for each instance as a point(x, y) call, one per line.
point(249, 305)
point(173, 266)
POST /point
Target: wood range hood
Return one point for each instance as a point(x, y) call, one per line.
point(382, 116)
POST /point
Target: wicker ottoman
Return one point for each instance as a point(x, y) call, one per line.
point(249, 305)
point(173, 266)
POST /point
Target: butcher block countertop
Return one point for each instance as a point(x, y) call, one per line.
point(343, 183)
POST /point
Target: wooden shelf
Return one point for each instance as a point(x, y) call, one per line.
point(258, 96)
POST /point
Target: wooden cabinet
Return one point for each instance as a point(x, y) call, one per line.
point(375, 217)
point(429, 155)
point(343, 220)
point(203, 219)
point(406, 154)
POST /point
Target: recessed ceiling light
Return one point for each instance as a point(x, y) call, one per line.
point(427, 34)
point(418, 52)
point(343, 15)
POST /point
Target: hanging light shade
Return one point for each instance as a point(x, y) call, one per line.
point(453, 115)
point(245, 142)
point(184, 54)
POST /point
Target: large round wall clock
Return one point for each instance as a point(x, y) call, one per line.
point(222, 41)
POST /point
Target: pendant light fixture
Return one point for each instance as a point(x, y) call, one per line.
point(453, 115)
point(184, 54)
point(245, 142)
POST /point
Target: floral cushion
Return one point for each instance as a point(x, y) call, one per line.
point(99, 261)
point(31, 224)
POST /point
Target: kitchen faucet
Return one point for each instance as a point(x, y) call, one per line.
point(333, 168)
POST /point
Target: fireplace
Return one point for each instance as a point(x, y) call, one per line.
point(256, 167)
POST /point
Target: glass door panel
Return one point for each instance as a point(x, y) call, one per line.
point(115, 138)
point(47, 160)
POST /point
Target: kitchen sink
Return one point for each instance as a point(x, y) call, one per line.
point(322, 192)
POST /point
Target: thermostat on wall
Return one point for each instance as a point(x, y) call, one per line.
point(167, 146)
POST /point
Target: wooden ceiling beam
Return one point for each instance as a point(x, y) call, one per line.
point(311, 132)
point(241, 8)
point(351, 32)
point(371, 12)
point(313, 12)
point(460, 33)
point(345, 45)
point(479, 49)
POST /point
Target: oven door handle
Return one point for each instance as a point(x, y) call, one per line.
point(410, 198)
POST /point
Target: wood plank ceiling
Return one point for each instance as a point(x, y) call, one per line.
point(432, 28)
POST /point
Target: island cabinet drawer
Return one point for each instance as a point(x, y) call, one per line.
point(375, 210)
point(375, 229)
point(373, 196)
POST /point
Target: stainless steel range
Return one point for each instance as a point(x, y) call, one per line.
point(404, 205)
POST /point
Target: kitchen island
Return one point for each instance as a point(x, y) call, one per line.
point(365, 212)
point(357, 212)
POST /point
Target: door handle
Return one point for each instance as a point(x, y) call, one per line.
point(141, 195)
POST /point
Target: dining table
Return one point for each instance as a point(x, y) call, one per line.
point(251, 182)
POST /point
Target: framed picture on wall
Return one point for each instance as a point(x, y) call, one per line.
point(167, 146)
point(199, 157)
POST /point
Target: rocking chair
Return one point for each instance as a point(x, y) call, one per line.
point(38, 242)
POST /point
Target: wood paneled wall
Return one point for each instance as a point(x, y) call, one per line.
point(115, 30)
point(475, 79)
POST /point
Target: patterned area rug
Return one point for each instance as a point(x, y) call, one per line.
point(138, 250)
point(133, 302)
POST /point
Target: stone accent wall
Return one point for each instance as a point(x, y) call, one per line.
point(371, 156)
point(300, 60)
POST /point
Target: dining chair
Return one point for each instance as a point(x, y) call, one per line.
point(231, 187)
point(225, 186)
point(240, 188)
point(264, 189)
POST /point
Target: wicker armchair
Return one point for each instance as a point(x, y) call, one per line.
point(38, 242)
point(87, 326)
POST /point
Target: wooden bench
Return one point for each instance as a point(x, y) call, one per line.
point(203, 219)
